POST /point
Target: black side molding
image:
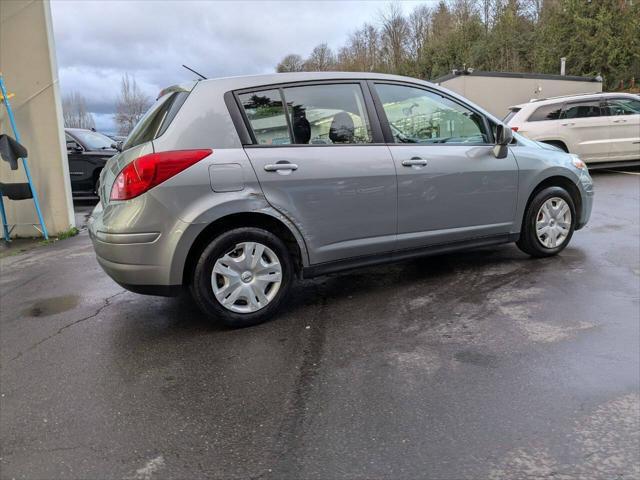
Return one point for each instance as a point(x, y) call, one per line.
point(399, 255)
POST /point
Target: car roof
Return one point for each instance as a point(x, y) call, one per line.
point(226, 84)
point(249, 81)
point(534, 103)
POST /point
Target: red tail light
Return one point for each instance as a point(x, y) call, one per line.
point(515, 129)
point(150, 170)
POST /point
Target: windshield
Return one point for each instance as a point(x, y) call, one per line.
point(93, 140)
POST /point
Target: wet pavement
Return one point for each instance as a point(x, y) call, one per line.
point(484, 364)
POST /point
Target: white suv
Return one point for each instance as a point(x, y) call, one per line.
point(598, 127)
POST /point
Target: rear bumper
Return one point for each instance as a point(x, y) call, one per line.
point(147, 262)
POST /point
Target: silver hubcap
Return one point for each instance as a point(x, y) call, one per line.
point(247, 278)
point(553, 222)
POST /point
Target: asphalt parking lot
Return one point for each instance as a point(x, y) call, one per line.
point(484, 364)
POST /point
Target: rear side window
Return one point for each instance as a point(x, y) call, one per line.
point(623, 106)
point(328, 114)
point(581, 110)
point(310, 115)
point(266, 115)
point(545, 112)
point(157, 119)
point(511, 114)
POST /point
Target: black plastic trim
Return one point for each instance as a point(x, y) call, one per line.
point(400, 255)
point(613, 164)
point(236, 117)
point(157, 290)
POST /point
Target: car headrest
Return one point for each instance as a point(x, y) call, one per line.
point(342, 129)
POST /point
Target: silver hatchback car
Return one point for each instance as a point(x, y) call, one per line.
point(235, 187)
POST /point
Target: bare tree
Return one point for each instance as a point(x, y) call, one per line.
point(75, 113)
point(291, 63)
point(395, 36)
point(321, 59)
point(131, 106)
point(419, 27)
point(362, 52)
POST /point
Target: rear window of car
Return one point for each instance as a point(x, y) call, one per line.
point(545, 112)
point(581, 110)
point(511, 114)
point(266, 114)
point(157, 119)
point(324, 114)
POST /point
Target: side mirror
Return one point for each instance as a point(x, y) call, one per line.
point(504, 136)
point(117, 146)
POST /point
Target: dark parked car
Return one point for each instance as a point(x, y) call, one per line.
point(87, 151)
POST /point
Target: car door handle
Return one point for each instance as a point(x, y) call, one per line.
point(274, 167)
point(567, 124)
point(414, 162)
point(621, 120)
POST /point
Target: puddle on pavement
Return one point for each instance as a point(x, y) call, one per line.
point(45, 307)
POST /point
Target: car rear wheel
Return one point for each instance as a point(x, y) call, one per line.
point(242, 277)
point(548, 223)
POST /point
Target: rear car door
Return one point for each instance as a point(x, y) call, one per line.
point(586, 130)
point(623, 116)
point(451, 187)
point(321, 162)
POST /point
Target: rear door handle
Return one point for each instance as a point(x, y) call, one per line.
point(274, 167)
point(622, 120)
point(568, 124)
point(414, 162)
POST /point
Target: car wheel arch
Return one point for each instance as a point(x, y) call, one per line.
point(557, 143)
point(267, 221)
point(558, 181)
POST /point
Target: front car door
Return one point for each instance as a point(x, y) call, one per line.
point(623, 116)
point(315, 157)
point(80, 176)
point(586, 130)
point(451, 187)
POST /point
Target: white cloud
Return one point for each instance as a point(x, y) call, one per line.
point(96, 42)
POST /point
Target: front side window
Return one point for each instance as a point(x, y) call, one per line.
point(266, 114)
point(545, 112)
point(419, 116)
point(328, 114)
point(623, 106)
point(581, 110)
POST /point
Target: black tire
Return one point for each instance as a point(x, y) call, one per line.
point(202, 290)
point(528, 241)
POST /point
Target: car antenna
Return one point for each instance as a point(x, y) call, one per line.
point(192, 70)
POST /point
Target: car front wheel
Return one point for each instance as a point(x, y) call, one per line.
point(243, 277)
point(548, 223)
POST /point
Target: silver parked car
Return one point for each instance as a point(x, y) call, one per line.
point(234, 187)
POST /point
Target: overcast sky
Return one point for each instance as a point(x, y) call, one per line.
point(98, 41)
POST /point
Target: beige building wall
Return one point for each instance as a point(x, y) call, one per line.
point(497, 94)
point(28, 66)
